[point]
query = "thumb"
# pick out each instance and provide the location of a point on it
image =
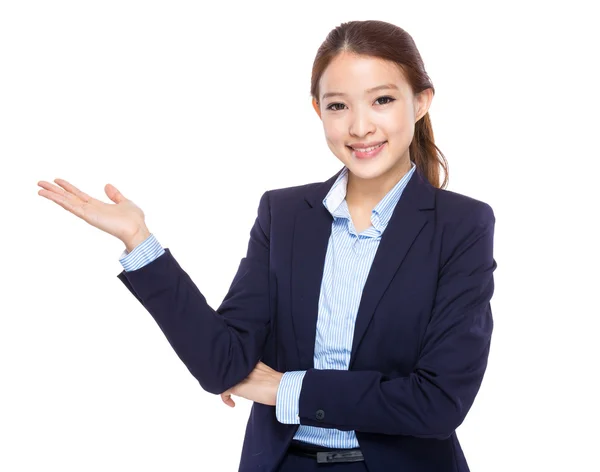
(114, 194)
(227, 399)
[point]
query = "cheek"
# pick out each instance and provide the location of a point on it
(334, 131)
(399, 124)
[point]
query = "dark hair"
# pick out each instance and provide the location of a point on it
(392, 43)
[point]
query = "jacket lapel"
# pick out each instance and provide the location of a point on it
(311, 237)
(407, 221)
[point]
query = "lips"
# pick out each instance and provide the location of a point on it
(368, 152)
(365, 147)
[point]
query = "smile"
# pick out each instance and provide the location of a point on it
(367, 153)
(369, 148)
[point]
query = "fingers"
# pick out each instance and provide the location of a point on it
(74, 190)
(51, 187)
(227, 400)
(65, 199)
(70, 189)
(62, 201)
(68, 192)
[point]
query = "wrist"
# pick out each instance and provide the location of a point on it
(138, 237)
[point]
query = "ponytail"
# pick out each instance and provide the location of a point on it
(426, 155)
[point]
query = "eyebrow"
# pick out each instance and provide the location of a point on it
(379, 87)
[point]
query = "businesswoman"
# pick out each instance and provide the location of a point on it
(359, 321)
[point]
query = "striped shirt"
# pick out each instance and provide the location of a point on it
(347, 263)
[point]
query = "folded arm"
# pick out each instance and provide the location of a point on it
(434, 399)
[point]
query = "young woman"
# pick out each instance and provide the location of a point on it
(359, 322)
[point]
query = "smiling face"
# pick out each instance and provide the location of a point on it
(369, 114)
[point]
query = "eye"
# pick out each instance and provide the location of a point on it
(390, 100)
(333, 106)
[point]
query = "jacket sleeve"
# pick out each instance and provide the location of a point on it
(220, 348)
(433, 400)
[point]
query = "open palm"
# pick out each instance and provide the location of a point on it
(124, 219)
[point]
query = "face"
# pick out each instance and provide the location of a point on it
(369, 114)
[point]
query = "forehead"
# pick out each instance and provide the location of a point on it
(353, 74)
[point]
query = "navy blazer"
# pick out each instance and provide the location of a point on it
(421, 339)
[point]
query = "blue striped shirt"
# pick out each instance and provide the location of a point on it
(347, 263)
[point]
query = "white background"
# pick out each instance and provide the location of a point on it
(193, 111)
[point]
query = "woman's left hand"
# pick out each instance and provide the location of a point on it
(260, 386)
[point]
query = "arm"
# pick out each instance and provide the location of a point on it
(220, 348)
(434, 399)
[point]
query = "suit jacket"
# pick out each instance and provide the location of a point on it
(421, 338)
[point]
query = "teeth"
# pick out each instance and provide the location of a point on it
(367, 149)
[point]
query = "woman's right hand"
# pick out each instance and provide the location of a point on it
(124, 220)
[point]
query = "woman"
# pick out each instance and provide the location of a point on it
(359, 322)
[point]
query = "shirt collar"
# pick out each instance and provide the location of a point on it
(335, 200)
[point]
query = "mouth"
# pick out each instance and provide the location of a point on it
(368, 152)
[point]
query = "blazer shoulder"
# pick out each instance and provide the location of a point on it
(290, 198)
(455, 207)
(296, 191)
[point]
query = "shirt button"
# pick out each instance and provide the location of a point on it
(320, 414)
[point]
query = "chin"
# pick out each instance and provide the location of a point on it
(368, 169)
(372, 172)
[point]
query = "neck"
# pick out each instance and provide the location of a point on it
(370, 192)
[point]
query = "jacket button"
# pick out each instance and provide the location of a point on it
(320, 414)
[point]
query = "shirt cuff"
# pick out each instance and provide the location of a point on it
(143, 254)
(288, 397)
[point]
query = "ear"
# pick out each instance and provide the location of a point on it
(422, 102)
(315, 105)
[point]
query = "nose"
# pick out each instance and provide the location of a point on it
(361, 123)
